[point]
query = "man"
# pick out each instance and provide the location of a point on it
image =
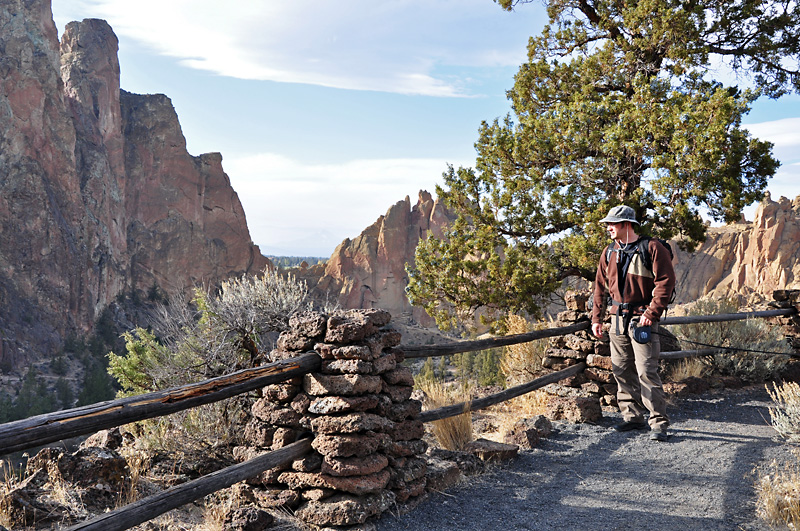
(639, 297)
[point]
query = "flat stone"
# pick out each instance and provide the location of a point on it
(407, 430)
(248, 519)
(383, 363)
(574, 409)
(345, 510)
(488, 450)
(358, 485)
(399, 376)
(442, 474)
(408, 409)
(291, 342)
(328, 405)
(409, 490)
(412, 470)
(354, 466)
(357, 422)
(275, 414)
(317, 494)
(345, 366)
(283, 392)
(284, 437)
(308, 463)
(575, 342)
(348, 328)
(257, 433)
(308, 324)
(341, 384)
(398, 393)
(567, 353)
(276, 497)
(359, 444)
(599, 375)
(602, 348)
(601, 362)
(406, 448)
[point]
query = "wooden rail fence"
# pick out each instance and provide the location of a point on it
(50, 427)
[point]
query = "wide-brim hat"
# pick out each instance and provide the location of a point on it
(620, 213)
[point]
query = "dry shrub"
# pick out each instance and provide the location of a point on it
(455, 432)
(522, 362)
(785, 416)
(686, 368)
(778, 495)
(747, 335)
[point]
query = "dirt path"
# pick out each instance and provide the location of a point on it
(592, 477)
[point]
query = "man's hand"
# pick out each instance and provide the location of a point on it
(645, 321)
(597, 329)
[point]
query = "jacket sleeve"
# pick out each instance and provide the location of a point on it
(663, 278)
(600, 288)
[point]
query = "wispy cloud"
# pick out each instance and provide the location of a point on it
(287, 200)
(400, 46)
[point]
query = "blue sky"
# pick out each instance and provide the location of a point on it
(327, 113)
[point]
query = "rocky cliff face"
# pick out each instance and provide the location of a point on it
(98, 195)
(369, 271)
(745, 260)
(750, 260)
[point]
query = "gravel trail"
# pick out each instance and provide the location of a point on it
(588, 476)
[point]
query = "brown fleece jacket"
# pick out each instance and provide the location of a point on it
(641, 285)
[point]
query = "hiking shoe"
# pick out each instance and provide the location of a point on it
(659, 435)
(629, 425)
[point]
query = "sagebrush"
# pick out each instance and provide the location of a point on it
(215, 333)
(755, 341)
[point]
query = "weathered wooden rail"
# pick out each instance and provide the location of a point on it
(155, 505)
(51, 427)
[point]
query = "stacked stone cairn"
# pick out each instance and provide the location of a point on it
(788, 298)
(367, 439)
(579, 398)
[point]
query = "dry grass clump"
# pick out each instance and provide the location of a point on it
(452, 433)
(522, 362)
(687, 368)
(778, 495)
(526, 406)
(785, 416)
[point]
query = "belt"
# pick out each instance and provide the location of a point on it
(625, 310)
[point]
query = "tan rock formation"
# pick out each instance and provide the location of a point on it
(750, 260)
(98, 194)
(369, 271)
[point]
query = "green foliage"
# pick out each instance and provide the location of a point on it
(482, 367)
(32, 398)
(616, 104)
(148, 365)
(286, 262)
(64, 394)
(426, 374)
(96, 385)
(750, 334)
(214, 334)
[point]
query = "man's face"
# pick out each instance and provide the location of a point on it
(615, 230)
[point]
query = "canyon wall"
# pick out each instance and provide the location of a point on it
(98, 195)
(748, 260)
(369, 271)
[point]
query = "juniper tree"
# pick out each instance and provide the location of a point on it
(616, 104)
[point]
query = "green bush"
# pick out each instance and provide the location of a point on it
(214, 334)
